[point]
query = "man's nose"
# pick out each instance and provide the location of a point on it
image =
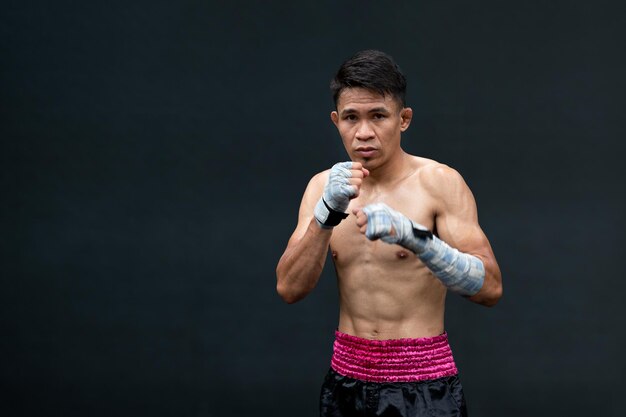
(364, 131)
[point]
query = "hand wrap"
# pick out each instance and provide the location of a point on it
(382, 218)
(330, 209)
(460, 272)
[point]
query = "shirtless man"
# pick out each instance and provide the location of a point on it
(402, 230)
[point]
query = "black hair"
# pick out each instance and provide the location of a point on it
(373, 70)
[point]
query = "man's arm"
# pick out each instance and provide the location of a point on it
(461, 256)
(456, 222)
(322, 208)
(302, 262)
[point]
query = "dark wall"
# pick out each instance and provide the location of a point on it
(153, 158)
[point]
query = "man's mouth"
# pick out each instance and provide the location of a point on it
(366, 151)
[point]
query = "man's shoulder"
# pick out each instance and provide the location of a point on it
(318, 181)
(320, 177)
(436, 176)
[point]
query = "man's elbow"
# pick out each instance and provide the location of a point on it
(286, 291)
(288, 295)
(491, 297)
(291, 286)
(488, 296)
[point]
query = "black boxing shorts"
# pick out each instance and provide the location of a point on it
(399, 377)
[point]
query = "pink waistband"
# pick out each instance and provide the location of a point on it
(393, 360)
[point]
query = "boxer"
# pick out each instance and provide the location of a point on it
(403, 231)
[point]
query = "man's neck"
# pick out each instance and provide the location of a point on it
(391, 172)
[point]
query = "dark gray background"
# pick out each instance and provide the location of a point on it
(154, 155)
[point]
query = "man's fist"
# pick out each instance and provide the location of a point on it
(379, 221)
(460, 272)
(344, 183)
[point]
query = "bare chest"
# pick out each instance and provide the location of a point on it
(349, 246)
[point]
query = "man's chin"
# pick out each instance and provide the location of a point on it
(368, 163)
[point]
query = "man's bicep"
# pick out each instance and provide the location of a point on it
(462, 233)
(457, 225)
(457, 220)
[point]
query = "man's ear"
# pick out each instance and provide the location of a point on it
(334, 117)
(406, 114)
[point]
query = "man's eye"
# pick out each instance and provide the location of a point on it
(379, 116)
(351, 117)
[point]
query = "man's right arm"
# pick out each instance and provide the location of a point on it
(302, 262)
(301, 265)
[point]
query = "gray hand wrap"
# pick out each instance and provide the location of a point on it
(380, 220)
(460, 272)
(330, 209)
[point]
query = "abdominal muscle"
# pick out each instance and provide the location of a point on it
(385, 291)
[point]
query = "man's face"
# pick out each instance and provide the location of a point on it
(370, 125)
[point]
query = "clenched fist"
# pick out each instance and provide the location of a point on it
(344, 183)
(379, 221)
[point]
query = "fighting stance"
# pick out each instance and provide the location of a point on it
(402, 231)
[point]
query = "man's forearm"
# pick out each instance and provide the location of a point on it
(460, 272)
(300, 267)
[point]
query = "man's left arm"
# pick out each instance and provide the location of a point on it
(459, 253)
(456, 223)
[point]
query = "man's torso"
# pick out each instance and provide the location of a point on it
(385, 290)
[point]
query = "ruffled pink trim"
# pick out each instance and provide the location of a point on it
(393, 360)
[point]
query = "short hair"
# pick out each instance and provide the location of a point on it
(373, 70)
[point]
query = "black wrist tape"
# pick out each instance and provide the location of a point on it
(422, 234)
(334, 217)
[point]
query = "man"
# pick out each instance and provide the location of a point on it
(412, 235)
